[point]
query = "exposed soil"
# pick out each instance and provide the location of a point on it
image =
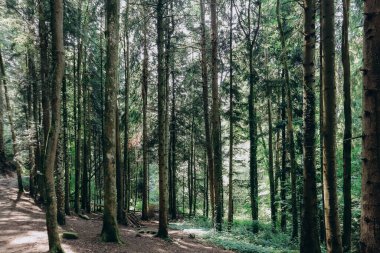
(23, 229)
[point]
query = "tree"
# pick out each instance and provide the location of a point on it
(215, 119)
(110, 230)
(231, 133)
(10, 119)
(347, 142)
(208, 143)
(162, 125)
(289, 125)
(370, 202)
(333, 236)
(309, 224)
(2, 147)
(54, 131)
(250, 34)
(144, 93)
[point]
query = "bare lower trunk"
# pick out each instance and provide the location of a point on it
(309, 223)
(52, 141)
(370, 202)
(333, 236)
(347, 216)
(162, 125)
(110, 230)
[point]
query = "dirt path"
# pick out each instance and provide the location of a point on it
(22, 229)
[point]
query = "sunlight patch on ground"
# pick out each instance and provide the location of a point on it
(196, 231)
(29, 237)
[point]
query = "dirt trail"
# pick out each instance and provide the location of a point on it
(23, 230)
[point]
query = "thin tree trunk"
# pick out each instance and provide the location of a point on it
(144, 91)
(215, 119)
(231, 141)
(289, 126)
(205, 92)
(65, 143)
(347, 216)
(126, 109)
(370, 217)
(309, 222)
(283, 179)
(162, 125)
(333, 236)
(10, 120)
(54, 132)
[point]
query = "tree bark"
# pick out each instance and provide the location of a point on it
(346, 238)
(126, 109)
(110, 230)
(215, 119)
(333, 236)
(13, 133)
(309, 222)
(370, 217)
(289, 125)
(162, 125)
(144, 92)
(231, 130)
(52, 140)
(210, 156)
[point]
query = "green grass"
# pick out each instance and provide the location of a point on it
(240, 238)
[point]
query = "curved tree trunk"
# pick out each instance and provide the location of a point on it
(52, 141)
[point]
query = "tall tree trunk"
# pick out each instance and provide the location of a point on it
(84, 105)
(271, 170)
(59, 179)
(309, 223)
(2, 147)
(215, 119)
(30, 125)
(173, 141)
(322, 230)
(110, 230)
(54, 132)
(78, 130)
(283, 179)
(346, 239)
(289, 126)
(210, 156)
(231, 141)
(162, 125)
(333, 236)
(10, 119)
(65, 143)
(144, 91)
(126, 108)
(119, 173)
(369, 224)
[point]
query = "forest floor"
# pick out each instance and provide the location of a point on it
(23, 229)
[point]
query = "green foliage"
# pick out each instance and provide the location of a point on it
(240, 238)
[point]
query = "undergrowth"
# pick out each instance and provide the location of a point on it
(240, 238)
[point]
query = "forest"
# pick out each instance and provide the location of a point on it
(190, 126)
